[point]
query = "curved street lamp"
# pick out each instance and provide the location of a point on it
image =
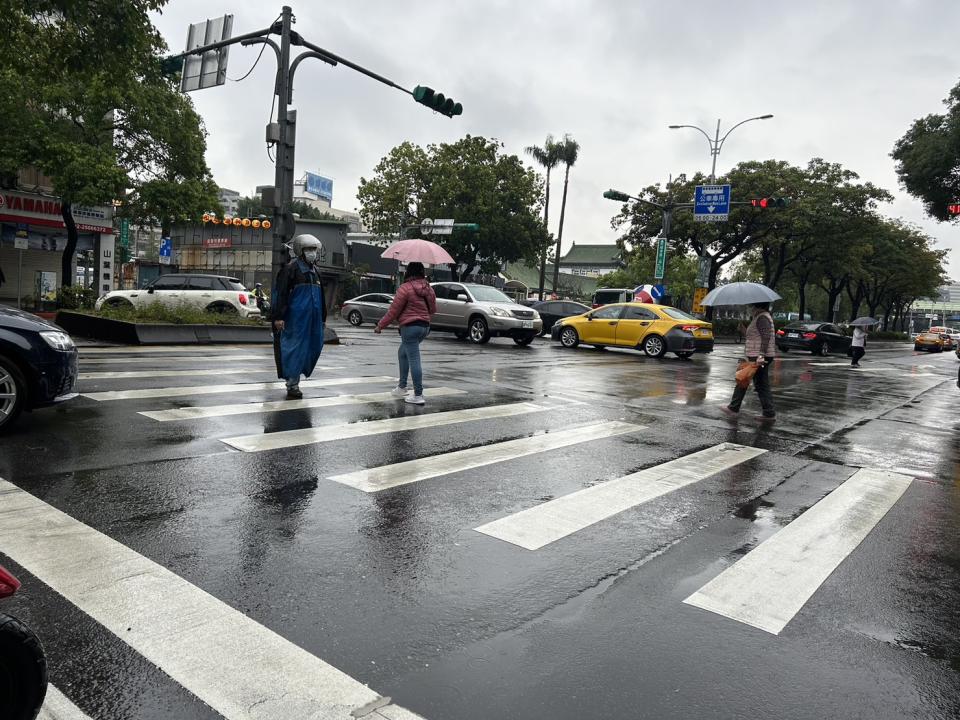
(716, 143)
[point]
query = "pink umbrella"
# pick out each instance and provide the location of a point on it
(418, 250)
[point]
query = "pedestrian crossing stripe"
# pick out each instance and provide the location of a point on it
(344, 431)
(166, 349)
(176, 358)
(187, 390)
(404, 473)
(229, 661)
(56, 706)
(209, 411)
(132, 374)
(772, 583)
(543, 524)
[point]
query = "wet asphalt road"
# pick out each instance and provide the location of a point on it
(397, 589)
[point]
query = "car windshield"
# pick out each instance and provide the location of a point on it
(677, 314)
(485, 293)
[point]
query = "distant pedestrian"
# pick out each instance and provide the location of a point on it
(760, 348)
(413, 306)
(858, 345)
(299, 313)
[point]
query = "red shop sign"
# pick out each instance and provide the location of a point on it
(217, 242)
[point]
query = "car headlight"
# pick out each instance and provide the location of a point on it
(58, 340)
(499, 312)
(536, 315)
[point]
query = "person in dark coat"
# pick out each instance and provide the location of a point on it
(299, 314)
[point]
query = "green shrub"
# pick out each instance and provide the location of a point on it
(173, 315)
(75, 297)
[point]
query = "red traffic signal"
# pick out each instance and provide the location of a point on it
(770, 202)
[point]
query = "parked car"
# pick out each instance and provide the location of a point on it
(552, 311)
(214, 293)
(655, 329)
(820, 338)
(366, 308)
(608, 296)
(480, 312)
(928, 341)
(948, 343)
(38, 364)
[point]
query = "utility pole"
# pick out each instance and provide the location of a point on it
(283, 228)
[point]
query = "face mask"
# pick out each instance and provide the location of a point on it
(310, 255)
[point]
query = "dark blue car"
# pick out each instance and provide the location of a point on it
(38, 364)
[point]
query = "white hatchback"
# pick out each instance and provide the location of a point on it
(213, 293)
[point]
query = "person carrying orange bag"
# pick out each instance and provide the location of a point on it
(760, 349)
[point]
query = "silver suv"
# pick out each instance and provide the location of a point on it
(479, 312)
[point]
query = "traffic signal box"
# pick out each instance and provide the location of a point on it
(770, 202)
(437, 101)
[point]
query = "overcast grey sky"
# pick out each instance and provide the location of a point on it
(843, 78)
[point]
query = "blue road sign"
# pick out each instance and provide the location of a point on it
(659, 291)
(711, 203)
(166, 250)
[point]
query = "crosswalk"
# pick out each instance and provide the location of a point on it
(233, 664)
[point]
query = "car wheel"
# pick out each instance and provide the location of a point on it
(118, 303)
(479, 332)
(460, 335)
(525, 340)
(222, 308)
(23, 669)
(355, 318)
(654, 346)
(569, 337)
(823, 350)
(684, 355)
(13, 393)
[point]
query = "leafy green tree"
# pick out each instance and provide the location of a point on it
(681, 273)
(100, 120)
(470, 180)
(547, 157)
(928, 158)
(568, 151)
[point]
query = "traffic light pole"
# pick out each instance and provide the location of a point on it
(285, 131)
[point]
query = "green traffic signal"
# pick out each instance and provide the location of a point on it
(616, 195)
(437, 101)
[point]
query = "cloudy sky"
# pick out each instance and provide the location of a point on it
(843, 78)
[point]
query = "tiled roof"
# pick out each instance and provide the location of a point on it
(591, 255)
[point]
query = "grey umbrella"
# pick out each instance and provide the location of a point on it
(865, 322)
(740, 293)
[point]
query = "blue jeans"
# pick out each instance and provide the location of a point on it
(409, 355)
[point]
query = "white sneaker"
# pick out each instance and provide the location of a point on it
(399, 392)
(415, 400)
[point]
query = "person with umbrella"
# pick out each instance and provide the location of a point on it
(760, 347)
(299, 313)
(859, 342)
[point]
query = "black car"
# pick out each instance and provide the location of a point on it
(820, 338)
(38, 364)
(553, 310)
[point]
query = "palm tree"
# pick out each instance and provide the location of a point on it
(547, 157)
(569, 151)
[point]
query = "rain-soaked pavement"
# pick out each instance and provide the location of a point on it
(817, 579)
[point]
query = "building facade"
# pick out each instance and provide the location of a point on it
(229, 201)
(590, 260)
(33, 236)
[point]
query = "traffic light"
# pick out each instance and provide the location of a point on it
(771, 202)
(437, 101)
(171, 66)
(616, 195)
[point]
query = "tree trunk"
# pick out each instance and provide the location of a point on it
(563, 210)
(802, 295)
(546, 223)
(886, 317)
(856, 299)
(66, 260)
(711, 284)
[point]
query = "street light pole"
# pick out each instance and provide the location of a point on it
(716, 142)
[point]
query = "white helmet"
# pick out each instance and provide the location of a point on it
(303, 242)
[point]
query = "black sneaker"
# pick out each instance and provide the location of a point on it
(294, 393)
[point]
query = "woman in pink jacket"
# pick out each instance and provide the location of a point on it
(413, 306)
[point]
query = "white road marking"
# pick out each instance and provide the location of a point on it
(543, 524)
(121, 374)
(238, 667)
(194, 413)
(235, 387)
(161, 349)
(770, 585)
(388, 476)
(57, 706)
(175, 358)
(343, 431)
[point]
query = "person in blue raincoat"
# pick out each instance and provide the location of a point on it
(298, 315)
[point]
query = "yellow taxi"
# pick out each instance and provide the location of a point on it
(655, 329)
(929, 341)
